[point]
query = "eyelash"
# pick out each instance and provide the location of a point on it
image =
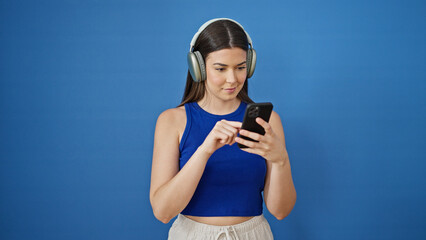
(222, 69)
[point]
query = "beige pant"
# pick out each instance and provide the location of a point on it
(186, 229)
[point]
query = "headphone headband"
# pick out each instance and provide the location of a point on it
(194, 39)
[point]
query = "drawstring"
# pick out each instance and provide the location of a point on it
(227, 233)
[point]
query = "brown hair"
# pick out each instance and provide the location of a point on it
(217, 36)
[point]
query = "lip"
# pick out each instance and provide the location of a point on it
(230, 90)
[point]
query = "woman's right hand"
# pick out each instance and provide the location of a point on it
(224, 132)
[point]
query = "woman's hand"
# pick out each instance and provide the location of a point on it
(269, 146)
(224, 132)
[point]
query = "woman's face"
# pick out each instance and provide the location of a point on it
(226, 73)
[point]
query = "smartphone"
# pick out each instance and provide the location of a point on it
(254, 110)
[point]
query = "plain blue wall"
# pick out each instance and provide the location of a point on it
(82, 83)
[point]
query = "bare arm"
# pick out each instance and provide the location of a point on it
(279, 191)
(171, 189)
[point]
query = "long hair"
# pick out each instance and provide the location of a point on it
(217, 36)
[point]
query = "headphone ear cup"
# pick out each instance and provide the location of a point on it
(251, 62)
(202, 65)
(196, 66)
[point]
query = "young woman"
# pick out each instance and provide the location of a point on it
(198, 172)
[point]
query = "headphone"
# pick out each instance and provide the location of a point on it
(196, 64)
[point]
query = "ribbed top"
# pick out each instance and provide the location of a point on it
(233, 180)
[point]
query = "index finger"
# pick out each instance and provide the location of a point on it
(264, 124)
(234, 124)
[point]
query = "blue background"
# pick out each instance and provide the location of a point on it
(82, 83)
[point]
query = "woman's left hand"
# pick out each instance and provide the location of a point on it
(269, 146)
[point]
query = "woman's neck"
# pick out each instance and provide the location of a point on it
(219, 107)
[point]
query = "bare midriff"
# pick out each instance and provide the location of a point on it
(219, 221)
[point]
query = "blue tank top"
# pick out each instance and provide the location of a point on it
(233, 180)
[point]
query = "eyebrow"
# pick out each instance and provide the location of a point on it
(224, 65)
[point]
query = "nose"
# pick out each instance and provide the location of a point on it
(232, 76)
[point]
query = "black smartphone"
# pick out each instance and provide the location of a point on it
(254, 110)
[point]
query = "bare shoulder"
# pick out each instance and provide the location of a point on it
(172, 120)
(171, 115)
(276, 124)
(275, 120)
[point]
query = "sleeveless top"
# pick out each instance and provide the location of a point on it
(233, 180)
